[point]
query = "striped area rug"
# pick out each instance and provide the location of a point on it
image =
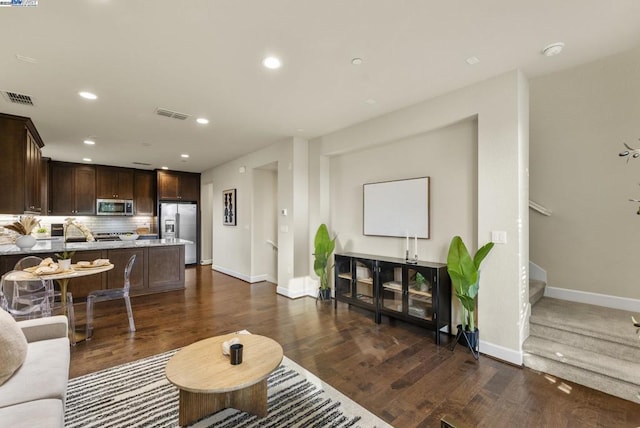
(137, 394)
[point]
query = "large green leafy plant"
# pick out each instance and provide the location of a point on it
(465, 276)
(324, 246)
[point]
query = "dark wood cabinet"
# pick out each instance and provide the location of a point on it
(20, 165)
(416, 293)
(73, 189)
(32, 194)
(166, 267)
(355, 281)
(120, 257)
(144, 192)
(114, 182)
(156, 269)
(81, 286)
(178, 186)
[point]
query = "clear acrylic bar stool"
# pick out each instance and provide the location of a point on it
(112, 294)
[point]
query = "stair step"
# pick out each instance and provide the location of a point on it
(606, 374)
(581, 341)
(627, 371)
(536, 290)
(591, 345)
(598, 322)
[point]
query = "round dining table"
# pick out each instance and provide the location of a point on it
(63, 278)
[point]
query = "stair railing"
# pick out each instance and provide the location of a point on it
(539, 208)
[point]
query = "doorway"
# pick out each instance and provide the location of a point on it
(264, 254)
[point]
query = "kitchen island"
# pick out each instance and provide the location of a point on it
(159, 263)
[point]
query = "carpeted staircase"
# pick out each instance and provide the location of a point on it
(591, 345)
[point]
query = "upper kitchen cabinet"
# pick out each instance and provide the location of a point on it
(144, 192)
(114, 183)
(20, 166)
(178, 186)
(73, 189)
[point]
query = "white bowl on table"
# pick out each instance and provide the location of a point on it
(128, 237)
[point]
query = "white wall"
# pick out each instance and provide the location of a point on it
(206, 230)
(233, 245)
(501, 106)
(580, 119)
(447, 155)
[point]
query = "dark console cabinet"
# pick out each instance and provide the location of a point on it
(416, 293)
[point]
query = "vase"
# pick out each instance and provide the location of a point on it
(65, 264)
(325, 294)
(25, 241)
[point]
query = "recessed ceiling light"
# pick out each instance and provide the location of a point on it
(202, 120)
(370, 101)
(164, 167)
(553, 49)
(472, 60)
(184, 155)
(86, 159)
(356, 61)
(89, 142)
(272, 62)
(88, 95)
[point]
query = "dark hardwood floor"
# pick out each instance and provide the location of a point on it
(395, 370)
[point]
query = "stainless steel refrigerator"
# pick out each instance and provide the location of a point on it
(180, 220)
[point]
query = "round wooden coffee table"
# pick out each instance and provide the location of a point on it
(208, 382)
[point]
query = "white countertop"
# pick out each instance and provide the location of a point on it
(56, 245)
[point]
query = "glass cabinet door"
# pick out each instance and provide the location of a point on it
(420, 289)
(364, 270)
(390, 276)
(343, 278)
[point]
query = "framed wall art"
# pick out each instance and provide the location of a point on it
(229, 205)
(397, 208)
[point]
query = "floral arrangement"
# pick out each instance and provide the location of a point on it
(24, 225)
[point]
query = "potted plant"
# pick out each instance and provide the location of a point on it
(465, 276)
(324, 246)
(64, 259)
(421, 282)
(23, 227)
(41, 232)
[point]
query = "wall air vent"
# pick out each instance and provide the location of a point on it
(16, 98)
(172, 114)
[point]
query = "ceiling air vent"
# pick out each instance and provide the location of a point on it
(16, 98)
(172, 114)
(141, 163)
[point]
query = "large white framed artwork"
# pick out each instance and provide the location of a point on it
(397, 208)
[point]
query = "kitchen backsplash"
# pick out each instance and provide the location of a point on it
(104, 224)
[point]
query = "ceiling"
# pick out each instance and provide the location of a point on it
(203, 58)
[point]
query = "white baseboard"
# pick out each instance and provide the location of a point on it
(258, 278)
(623, 303)
(206, 262)
(292, 294)
(252, 279)
(299, 287)
(501, 353)
(271, 279)
(229, 272)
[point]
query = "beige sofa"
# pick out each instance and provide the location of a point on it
(34, 396)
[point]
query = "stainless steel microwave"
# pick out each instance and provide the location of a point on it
(114, 207)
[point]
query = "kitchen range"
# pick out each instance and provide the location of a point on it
(115, 236)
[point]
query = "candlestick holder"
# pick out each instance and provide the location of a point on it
(413, 261)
